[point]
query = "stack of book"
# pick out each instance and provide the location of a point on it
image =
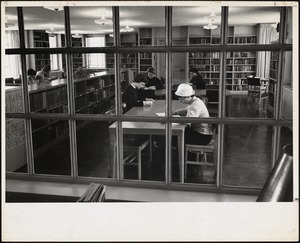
(94, 193)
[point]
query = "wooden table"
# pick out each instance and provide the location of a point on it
(152, 128)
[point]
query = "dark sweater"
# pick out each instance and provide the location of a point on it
(198, 82)
(154, 82)
(131, 98)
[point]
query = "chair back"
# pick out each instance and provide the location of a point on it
(212, 95)
(252, 81)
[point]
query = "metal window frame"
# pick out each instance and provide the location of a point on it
(168, 49)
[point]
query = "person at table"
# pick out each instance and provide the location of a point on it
(41, 75)
(152, 81)
(131, 96)
(195, 133)
(196, 79)
(31, 76)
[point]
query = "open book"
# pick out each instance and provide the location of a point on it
(163, 114)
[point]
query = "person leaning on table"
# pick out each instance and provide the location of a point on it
(196, 133)
(130, 95)
(152, 81)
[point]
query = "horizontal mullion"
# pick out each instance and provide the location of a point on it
(112, 49)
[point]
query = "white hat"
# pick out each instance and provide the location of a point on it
(185, 90)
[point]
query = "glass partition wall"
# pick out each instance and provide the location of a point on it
(76, 121)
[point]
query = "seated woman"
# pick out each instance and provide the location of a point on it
(196, 133)
(131, 95)
(31, 77)
(197, 80)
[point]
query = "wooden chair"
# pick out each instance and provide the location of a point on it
(257, 89)
(205, 154)
(212, 95)
(132, 149)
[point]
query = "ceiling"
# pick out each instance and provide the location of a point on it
(83, 17)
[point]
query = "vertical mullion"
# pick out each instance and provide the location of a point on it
(168, 21)
(222, 96)
(28, 130)
(71, 96)
(279, 86)
(119, 138)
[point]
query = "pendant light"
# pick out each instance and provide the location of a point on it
(76, 35)
(210, 26)
(127, 29)
(56, 9)
(103, 21)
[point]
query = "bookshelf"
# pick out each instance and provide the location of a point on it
(273, 77)
(145, 39)
(41, 39)
(239, 66)
(208, 64)
(77, 57)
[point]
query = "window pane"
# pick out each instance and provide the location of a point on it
(15, 146)
(93, 149)
(287, 95)
(198, 25)
(286, 137)
(198, 154)
(260, 26)
(144, 150)
(247, 155)
(12, 39)
(94, 91)
(89, 23)
(144, 94)
(51, 146)
(250, 81)
(149, 27)
(44, 27)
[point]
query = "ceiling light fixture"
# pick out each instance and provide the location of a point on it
(127, 29)
(210, 26)
(8, 23)
(103, 21)
(76, 36)
(56, 9)
(50, 32)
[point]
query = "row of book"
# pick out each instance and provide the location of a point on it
(94, 193)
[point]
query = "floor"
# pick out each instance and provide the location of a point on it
(246, 153)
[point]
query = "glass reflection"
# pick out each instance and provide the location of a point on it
(93, 149)
(15, 146)
(260, 26)
(247, 155)
(51, 146)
